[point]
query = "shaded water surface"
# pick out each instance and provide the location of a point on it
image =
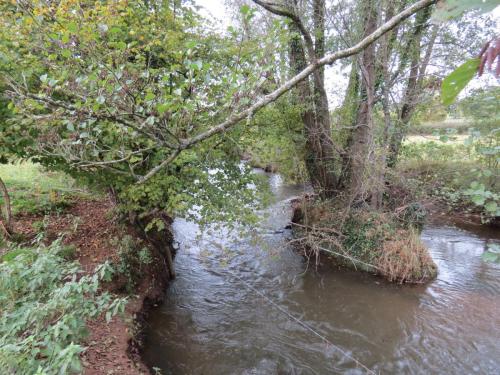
(229, 310)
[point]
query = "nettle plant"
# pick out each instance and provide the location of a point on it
(122, 93)
(46, 301)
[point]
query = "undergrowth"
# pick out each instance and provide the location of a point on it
(45, 302)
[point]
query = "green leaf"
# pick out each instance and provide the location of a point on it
(162, 108)
(149, 96)
(245, 9)
(455, 82)
(66, 53)
(121, 45)
(72, 26)
(449, 9)
(491, 206)
(478, 200)
(191, 44)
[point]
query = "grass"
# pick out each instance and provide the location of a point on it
(405, 258)
(428, 128)
(36, 191)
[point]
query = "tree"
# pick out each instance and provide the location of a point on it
(105, 92)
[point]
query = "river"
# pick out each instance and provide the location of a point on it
(254, 306)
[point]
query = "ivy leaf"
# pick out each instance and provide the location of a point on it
(72, 27)
(121, 45)
(457, 80)
(162, 108)
(478, 200)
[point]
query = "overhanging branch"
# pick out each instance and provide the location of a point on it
(287, 86)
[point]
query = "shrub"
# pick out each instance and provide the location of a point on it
(45, 302)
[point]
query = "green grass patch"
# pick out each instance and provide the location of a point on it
(428, 128)
(34, 190)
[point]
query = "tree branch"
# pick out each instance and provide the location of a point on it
(287, 86)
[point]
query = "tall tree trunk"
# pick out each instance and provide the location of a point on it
(361, 143)
(305, 100)
(320, 152)
(383, 58)
(326, 157)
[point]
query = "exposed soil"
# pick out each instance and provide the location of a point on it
(89, 225)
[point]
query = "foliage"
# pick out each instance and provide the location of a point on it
(481, 104)
(380, 242)
(276, 139)
(450, 9)
(46, 301)
(131, 260)
(460, 171)
(107, 92)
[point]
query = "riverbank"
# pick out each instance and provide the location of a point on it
(94, 233)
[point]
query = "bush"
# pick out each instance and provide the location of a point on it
(46, 301)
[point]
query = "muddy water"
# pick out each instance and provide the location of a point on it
(236, 305)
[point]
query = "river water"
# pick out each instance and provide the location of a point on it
(252, 305)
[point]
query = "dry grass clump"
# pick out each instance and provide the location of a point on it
(386, 243)
(406, 259)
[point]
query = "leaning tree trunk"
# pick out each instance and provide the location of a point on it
(325, 162)
(6, 223)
